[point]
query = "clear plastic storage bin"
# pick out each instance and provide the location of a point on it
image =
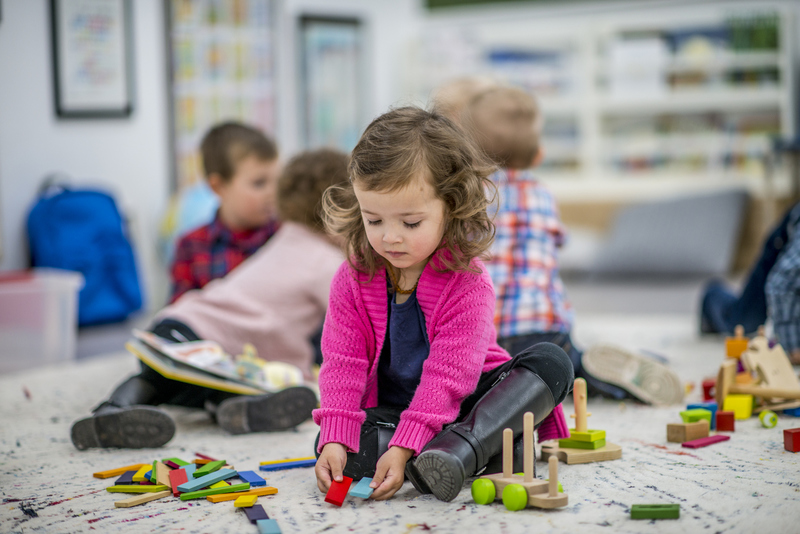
(38, 317)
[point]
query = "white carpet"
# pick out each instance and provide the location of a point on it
(747, 484)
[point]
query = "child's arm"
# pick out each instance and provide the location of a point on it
(390, 472)
(330, 465)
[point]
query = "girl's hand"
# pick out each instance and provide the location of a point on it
(389, 473)
(330, 465)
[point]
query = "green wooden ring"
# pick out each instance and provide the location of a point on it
(483, 491)
(768, 418)
(515, 497)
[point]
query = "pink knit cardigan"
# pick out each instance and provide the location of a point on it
(458, 307)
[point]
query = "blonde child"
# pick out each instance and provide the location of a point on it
(408, 345)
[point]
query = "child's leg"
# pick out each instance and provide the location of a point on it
(376, 432)
(534, 381)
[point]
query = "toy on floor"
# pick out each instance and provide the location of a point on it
(292, 463)
(338, 491)
(655, 511)
(791, 439)
(362, 489)
(705, 442)
(768, 418)
(683, 432)
(725, 421)
(583, 445)
(518, 492)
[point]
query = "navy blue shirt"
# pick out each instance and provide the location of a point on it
(405, 349)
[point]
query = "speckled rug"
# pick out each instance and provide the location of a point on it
(747, 484)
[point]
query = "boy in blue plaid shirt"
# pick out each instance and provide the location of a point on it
(532, 306)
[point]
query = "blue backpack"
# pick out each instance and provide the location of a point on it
(82, 230)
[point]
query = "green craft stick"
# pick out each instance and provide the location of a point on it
(153, 473)
(205, 493)
(176, 460)
(589, 435)
(655, 511)
(137, 489)
(588, 445)
(210, 467)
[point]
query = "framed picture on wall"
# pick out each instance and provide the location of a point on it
(332, 81)
(92, 61)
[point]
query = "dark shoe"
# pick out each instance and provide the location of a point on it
(134, 427)
(413, 475)
(495, 464)
(266, 413)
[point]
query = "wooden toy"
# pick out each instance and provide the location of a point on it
(655, 511)
(174, 463)
(176, 478)
(736, 345)
(140, 474)
(682, 432)
(725, 422)
(252, 478)
(191, 468)
(146, 481)
(573, 455)
(141, 499)
(268, 526)
(710, 406)
(271, 462)
(126, 479)
(338, 491)
(362, 489)
(288, 465)
(692, 416)
(202, 482)
(269, 490)
(740, 405)
(204, 456)
(210, 467)
(245, 501)
(768, 418)
(162, 473)
(118, 471)
(705, 442)
(708, 388)
(256, 513)
(794, 412)
(205, 493)
(791, 439)
(202, 461)
(152, 474)
(770, 364)
(137, 489)
(220, 484)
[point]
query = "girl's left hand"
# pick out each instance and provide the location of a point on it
(389, 473)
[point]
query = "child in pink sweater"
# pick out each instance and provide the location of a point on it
(411, 365)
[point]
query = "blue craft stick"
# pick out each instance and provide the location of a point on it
(190, 469)
(148, 475)
(268, 526)
(288, 465)
(362, 489)
(202, 482)
(252, 478)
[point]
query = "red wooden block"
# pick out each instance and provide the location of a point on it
(726, 421)
(338, 491)
(791, 439)
(708, 388)
(705, 442)
(176, 478)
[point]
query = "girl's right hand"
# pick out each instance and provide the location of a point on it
(330, 465)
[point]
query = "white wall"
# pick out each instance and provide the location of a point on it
(130, 156)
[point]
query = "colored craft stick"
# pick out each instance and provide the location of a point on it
(146, 482)
(141, 499)
(137, 489)
(270, 462)
(140, 474)
(149, 474)
(205, 493)
(126, 479)
(205, 457)
(245, 501)
(210, 467)
(162, 473)
(176, 478)
(256, 513)
(252, 478)
(338, 491)
(362, 489)
(705, 442)
(154, 473)
(202, 482)
(655, 511)
(171, 464)
(118, 471)
(269, 490)
(191, 468)
(288, 465)
(202, 461)
(220, 484)
(268, 526)
(178, 461)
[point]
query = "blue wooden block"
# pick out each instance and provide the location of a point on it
(126, 479)
(252, 478)
(268, 526)
(793, 411)
(288, 465)
(211, 478)
(362, 489)
(148, 475)
(255, 513)
(711, 407)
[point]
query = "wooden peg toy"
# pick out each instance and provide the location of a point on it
(736, 345)
(338, 491)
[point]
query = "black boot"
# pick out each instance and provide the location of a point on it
(464, 448)
(266, 413)
(125, 421)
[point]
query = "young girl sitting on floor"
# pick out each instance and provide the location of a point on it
(408, 343)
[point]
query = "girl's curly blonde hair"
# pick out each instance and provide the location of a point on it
(397, 147)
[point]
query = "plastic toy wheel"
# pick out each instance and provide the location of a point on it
(768, 419)
(483, 491)
(515, 497)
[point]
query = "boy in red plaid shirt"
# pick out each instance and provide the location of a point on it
(241, 166)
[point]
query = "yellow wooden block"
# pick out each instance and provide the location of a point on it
(267, 490)
(220, 484)
(741, 405)
(118, 471)
(245, 501)
(139, 476)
